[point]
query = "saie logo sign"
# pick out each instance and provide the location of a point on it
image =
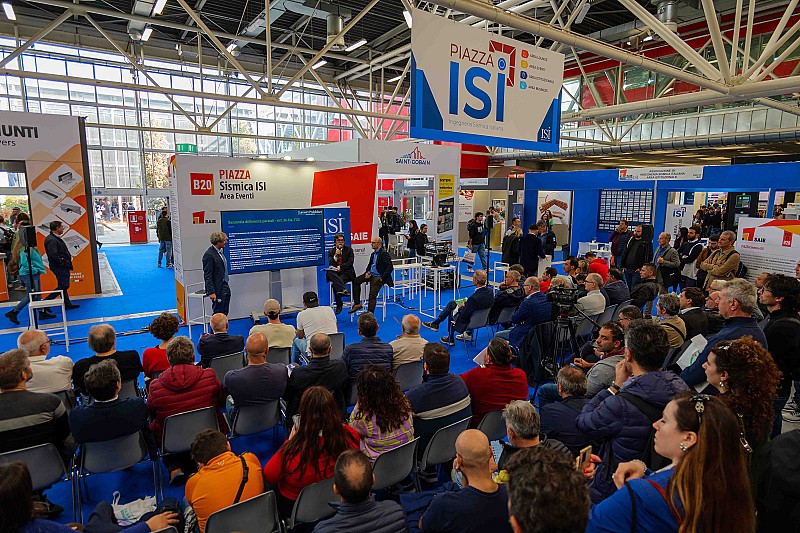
(493, 70)
(413, 158)
(202, 183)
(199, 217)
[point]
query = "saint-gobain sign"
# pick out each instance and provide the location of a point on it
(472, 86)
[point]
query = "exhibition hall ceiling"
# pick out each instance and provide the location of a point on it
(667, 50)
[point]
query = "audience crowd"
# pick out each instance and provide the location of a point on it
(667, 416)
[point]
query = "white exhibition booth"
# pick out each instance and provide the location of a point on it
(400, 160)
(204, 191)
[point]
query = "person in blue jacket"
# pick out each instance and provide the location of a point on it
(28, 270)
(736, 303)
(705, 488)
(612, 416)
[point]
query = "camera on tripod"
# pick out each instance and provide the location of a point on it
(563, 298)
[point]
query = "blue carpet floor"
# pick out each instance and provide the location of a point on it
(148, 289)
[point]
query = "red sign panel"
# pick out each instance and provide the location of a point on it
(202, 183)
(137, 227)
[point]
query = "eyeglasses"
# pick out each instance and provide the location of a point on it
(48, 341)
(699, 405)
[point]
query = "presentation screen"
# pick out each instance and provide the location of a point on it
(274, 239)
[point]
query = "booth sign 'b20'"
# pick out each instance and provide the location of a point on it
(202, 183)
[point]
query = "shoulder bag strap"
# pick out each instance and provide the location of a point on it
(245, 473)
(678, 518)
(673, 326)
(649, 410)
(633, 506)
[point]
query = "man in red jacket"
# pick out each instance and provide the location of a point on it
(182, 387)
(598, 265)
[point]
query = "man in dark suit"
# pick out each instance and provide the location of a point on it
(60, 261)
(341, 258)
(379, 271)
(530, 251)
(694, 318)
(215, 274)
(109, 416)
(219, 343)
(482, 298)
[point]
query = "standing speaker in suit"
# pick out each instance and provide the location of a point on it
(215, 274)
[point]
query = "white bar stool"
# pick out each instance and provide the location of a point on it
(195, 295)
(56, 328)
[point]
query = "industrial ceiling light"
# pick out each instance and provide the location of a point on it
(9, 9)
(159, 7)
(310, 159)
(357, 44)
(407, 16)
(148, 31)
(396, 78)
(231, 47)
(287, 158)
(583, 12)
(319, 64)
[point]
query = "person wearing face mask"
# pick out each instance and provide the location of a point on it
(699, 435)
(341, 271)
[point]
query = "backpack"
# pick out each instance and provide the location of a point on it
(653, 460)
(741, 270)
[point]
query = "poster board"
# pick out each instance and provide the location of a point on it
(768, 245)
(635, 206)
(53, 148)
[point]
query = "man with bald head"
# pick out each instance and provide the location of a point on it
(481, 504)
(49, 375)
(218, 343)
(407, 348)
(259, 382)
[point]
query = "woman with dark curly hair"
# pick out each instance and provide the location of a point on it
(163, 328)
(382, 415)
(705, 488)
(747, 378)
(309, 455)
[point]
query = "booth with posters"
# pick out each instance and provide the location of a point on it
(49, 153)
(665, 197)
(431, 167)
(278, 216)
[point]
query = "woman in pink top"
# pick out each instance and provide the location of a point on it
(163, 328)
(382, 415)
(496, 383)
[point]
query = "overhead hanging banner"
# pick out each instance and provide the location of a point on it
(661, 173)
(472, 86)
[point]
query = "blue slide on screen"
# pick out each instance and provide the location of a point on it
(273, 240)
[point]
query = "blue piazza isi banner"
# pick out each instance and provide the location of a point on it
(472, 86)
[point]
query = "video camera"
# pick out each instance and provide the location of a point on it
(564, 298)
